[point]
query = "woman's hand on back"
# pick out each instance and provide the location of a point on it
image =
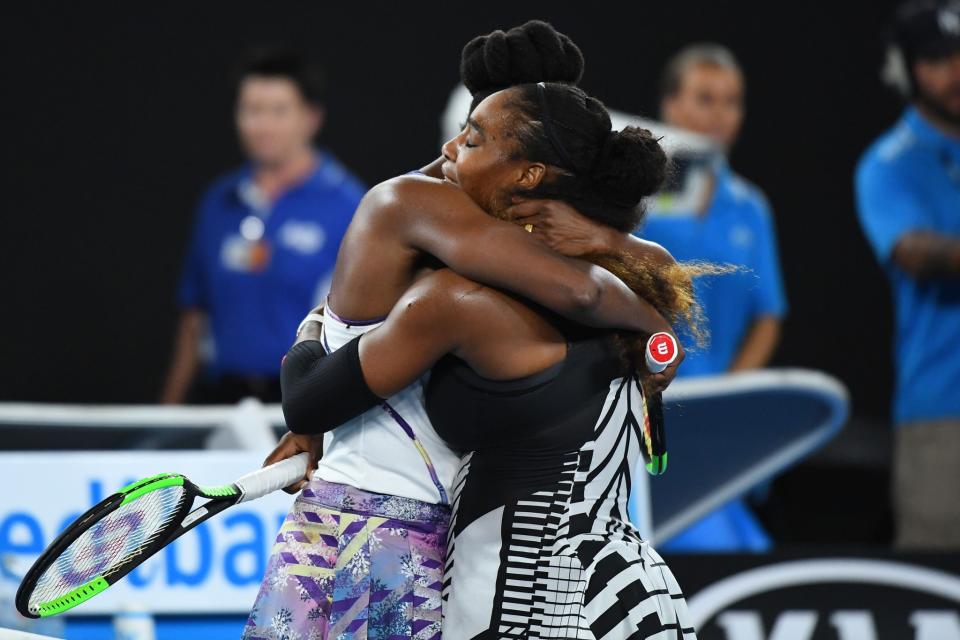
(560, 226)
(567, 231)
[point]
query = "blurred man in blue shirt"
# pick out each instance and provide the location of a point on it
(908, 196)
(265, 239)
(703, 92)
(731, 222)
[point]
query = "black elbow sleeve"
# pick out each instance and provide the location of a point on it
(322, 391)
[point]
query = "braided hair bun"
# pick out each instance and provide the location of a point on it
(605, 174)
(631, 165)
(532, 52)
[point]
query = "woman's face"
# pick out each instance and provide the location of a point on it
(480, 160)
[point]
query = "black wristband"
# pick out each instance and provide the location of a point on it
(321, 391)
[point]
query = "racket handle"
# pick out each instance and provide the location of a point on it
(661, 351)
(658, 436)
(277, 476)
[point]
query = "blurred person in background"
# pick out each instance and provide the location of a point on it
(908, 197)
(703, 92)
(265, 239)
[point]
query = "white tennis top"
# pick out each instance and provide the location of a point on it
(392, 448)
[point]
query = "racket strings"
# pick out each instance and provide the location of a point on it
(110, 543)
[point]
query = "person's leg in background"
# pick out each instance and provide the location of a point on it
(926, 485)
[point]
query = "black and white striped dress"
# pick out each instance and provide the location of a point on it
(540, 542)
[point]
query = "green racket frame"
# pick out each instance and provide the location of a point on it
(219, 499)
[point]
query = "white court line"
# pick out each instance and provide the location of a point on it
(11, 634)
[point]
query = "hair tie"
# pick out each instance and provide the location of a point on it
(551, 135)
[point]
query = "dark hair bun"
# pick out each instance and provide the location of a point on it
(631, 165)
(532, 52)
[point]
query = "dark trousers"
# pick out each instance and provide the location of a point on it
(231, 388)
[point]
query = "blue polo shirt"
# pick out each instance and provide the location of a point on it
(256, 268)
(736, 228)
(909, 180)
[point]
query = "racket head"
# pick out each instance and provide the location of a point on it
(104, 544)
(124, 530)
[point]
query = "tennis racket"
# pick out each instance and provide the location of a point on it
(661, 351)
(113, 537)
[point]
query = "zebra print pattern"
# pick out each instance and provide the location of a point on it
(568, 564)
(458, 483)
(539, 587)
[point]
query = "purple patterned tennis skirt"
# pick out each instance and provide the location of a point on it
(351, 564)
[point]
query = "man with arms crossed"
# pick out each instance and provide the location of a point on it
(908, 197)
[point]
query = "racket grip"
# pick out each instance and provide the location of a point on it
(661, 351)
(277, 476)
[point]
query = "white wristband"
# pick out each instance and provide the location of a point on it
(313, 317)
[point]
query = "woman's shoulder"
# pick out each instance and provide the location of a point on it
(409, 194)
(410, 184)
(651, 251)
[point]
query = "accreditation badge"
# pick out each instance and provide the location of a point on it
(247, 250)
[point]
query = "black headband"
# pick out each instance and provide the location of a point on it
(555, 141)
(551, 135)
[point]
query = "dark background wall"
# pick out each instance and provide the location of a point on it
(115, 118)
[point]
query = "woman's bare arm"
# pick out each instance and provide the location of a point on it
(322, 391)
(441, 220)
(427, 323)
